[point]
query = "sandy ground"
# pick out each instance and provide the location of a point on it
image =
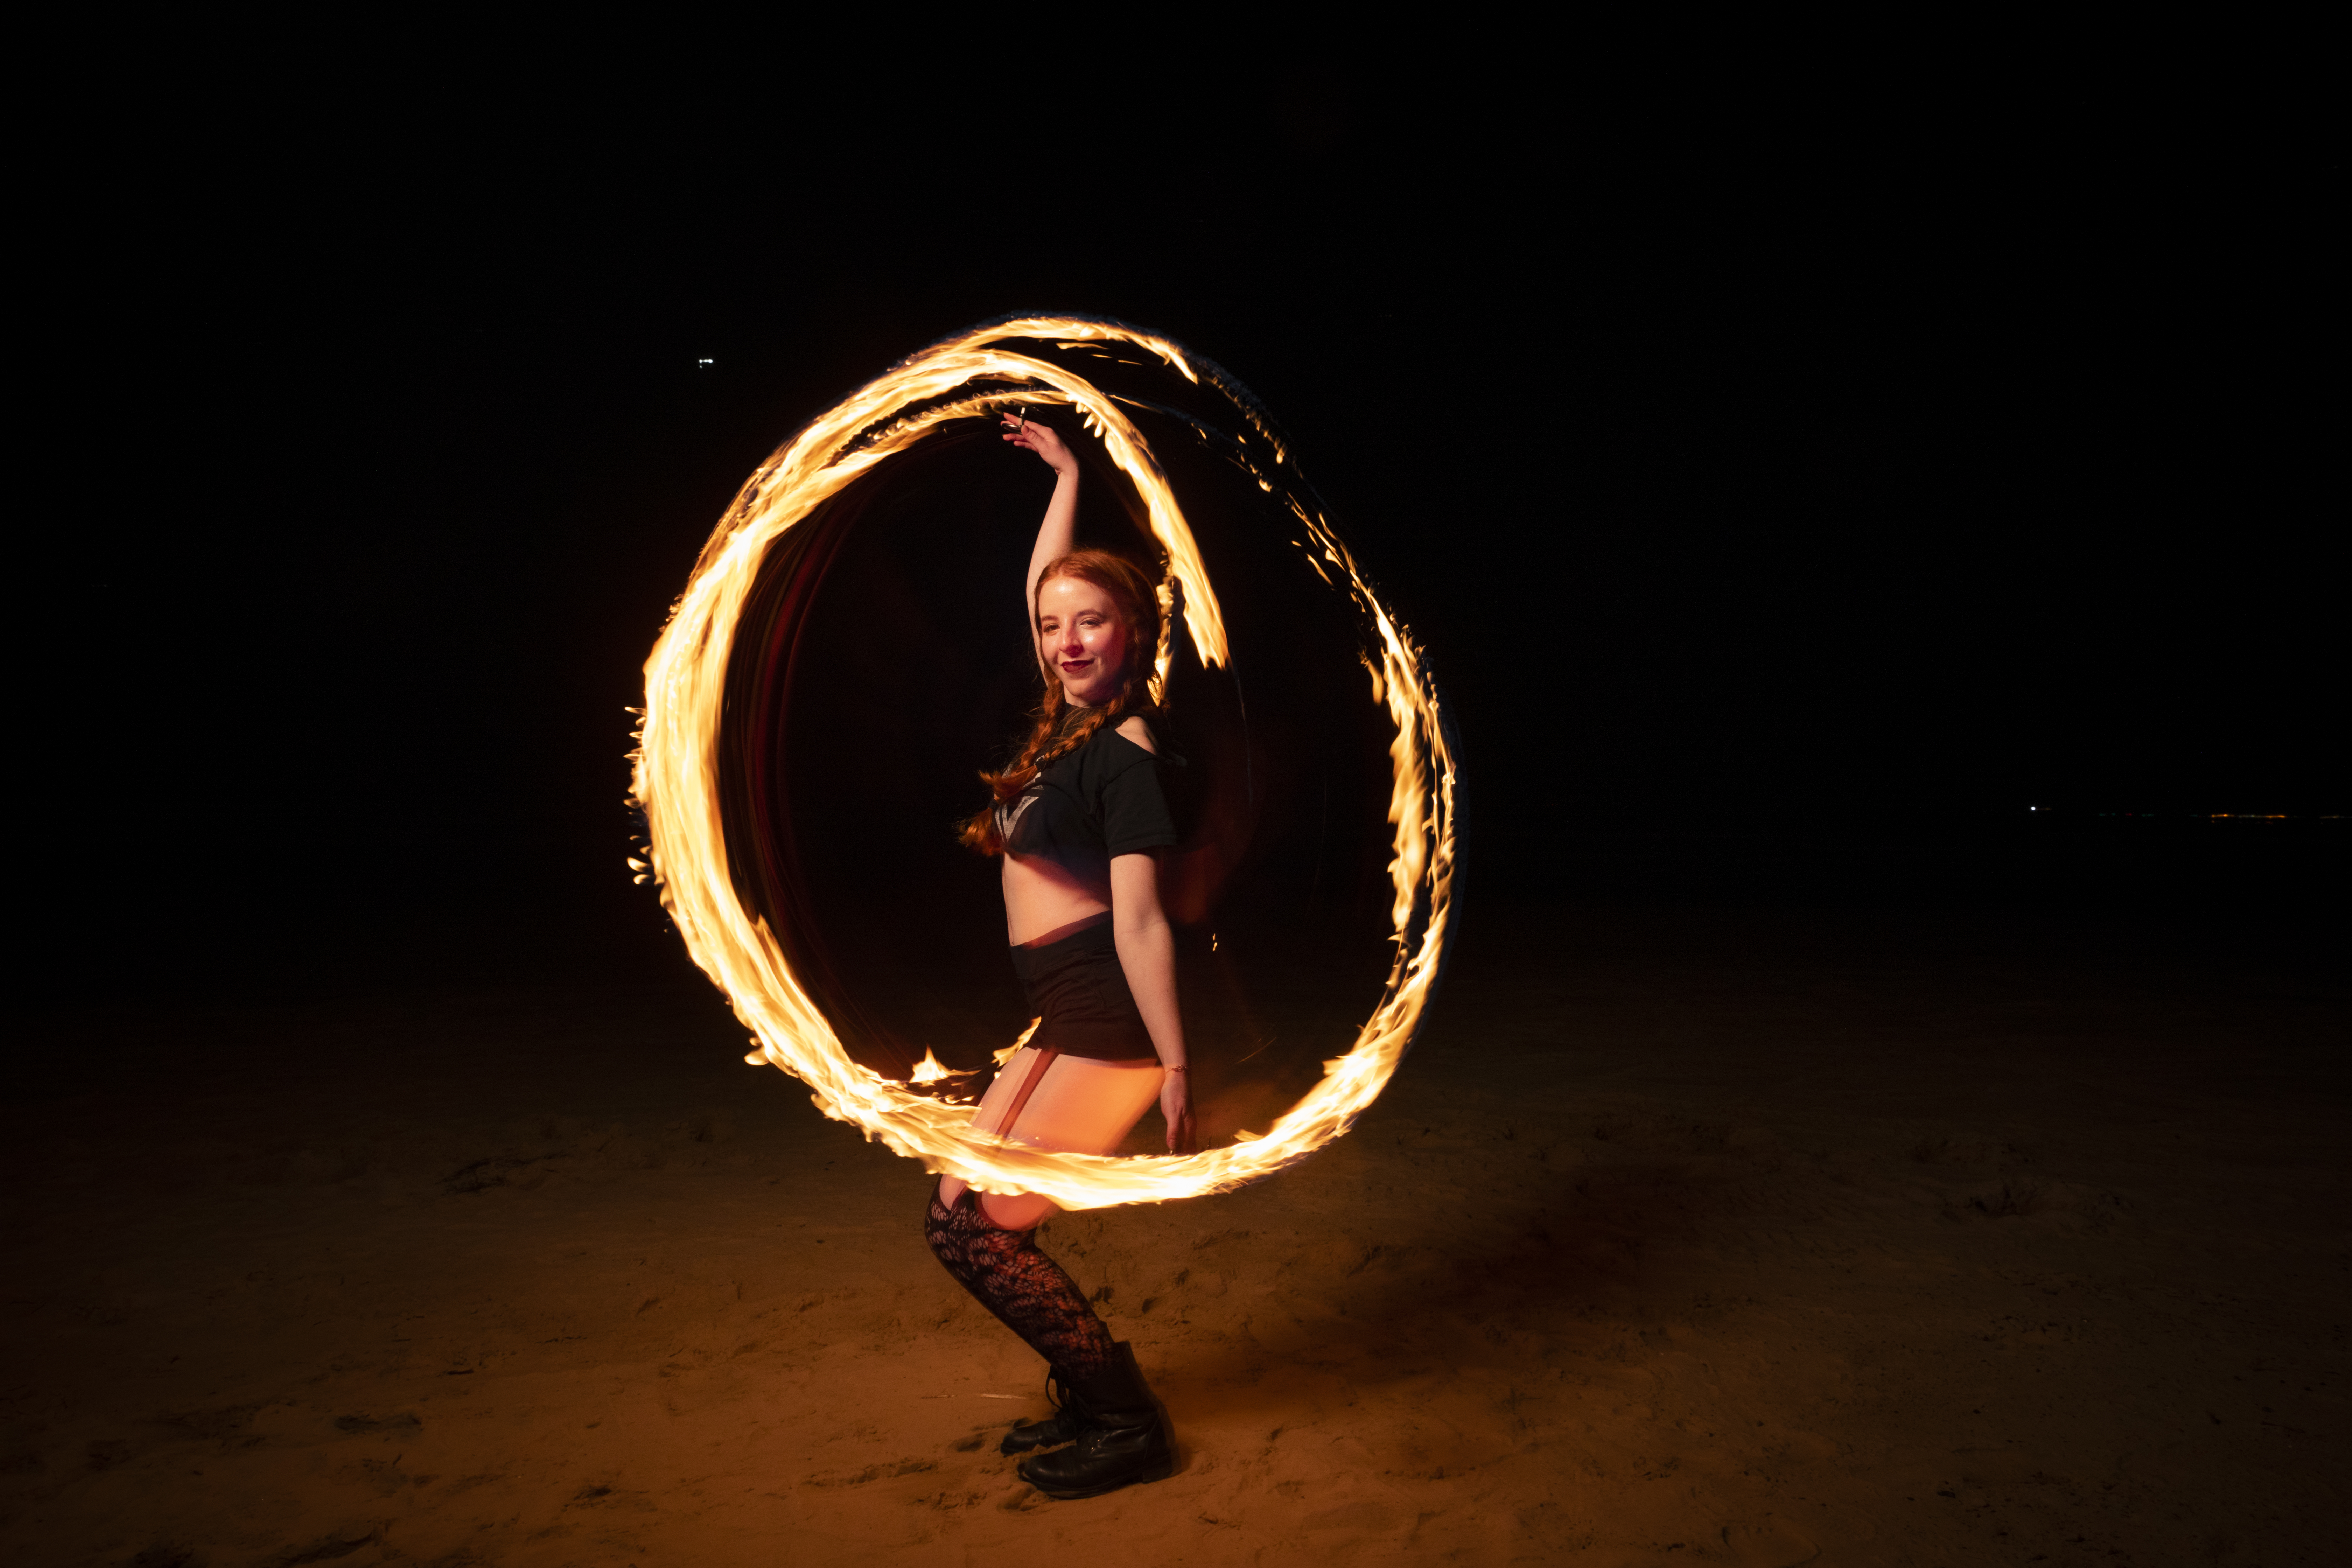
(1740, 1239)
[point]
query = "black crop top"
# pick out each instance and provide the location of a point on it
(1102, 800)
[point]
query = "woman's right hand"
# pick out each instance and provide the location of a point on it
(1040, 438)
(1176, 1109)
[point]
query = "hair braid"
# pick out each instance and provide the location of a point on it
(1055, 735)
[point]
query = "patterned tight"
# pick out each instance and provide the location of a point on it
(1027, 1290)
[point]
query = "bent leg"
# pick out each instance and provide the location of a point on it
(1028, 1291)
(1065, 1103)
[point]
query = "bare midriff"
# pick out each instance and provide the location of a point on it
(1040, 897)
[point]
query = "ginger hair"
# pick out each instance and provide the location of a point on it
(1136, 603)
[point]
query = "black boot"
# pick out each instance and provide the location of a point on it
(1122, 1437)
(1069, 1419)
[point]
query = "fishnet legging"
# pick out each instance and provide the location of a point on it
(1026, 1289)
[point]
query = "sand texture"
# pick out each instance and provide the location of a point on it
(1677, 1241)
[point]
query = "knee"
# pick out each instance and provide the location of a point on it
(1015, 1211)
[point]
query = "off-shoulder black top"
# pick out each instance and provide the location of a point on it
(1101, 801)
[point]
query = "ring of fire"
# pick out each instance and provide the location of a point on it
(676, 781)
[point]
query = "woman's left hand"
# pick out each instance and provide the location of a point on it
(1176, 1109)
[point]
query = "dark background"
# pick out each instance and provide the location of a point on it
(1791, 493)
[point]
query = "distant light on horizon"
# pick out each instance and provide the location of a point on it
(2212, 815)
(706, 363)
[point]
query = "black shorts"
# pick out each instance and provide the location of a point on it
(1076, 986)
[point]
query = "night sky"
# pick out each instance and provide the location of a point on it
(1788, 497)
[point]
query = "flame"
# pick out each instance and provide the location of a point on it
(930, 1069)
(1006, 1054)
(675, 776)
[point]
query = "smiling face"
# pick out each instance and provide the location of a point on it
(1081, 640)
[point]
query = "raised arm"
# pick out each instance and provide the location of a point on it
(1058, 534)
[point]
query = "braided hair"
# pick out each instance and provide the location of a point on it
(1060, 727)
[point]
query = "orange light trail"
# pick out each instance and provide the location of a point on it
(676, 779)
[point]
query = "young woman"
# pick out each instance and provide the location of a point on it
(1079, 819)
